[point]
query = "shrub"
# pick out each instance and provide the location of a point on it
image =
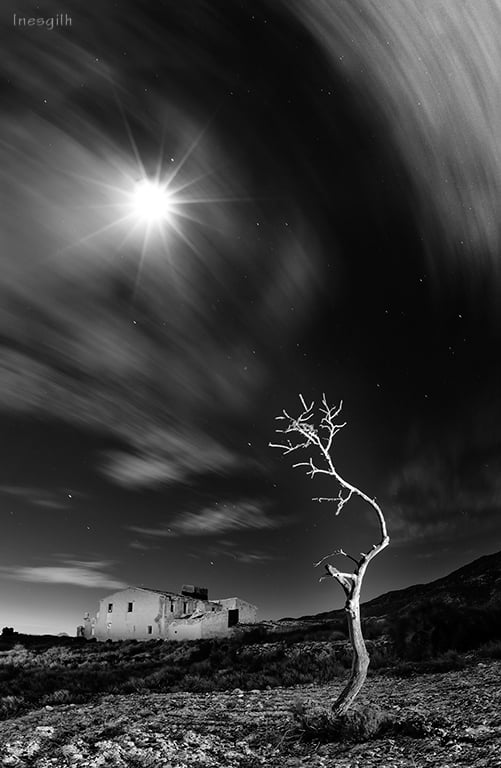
(358, 724)
(433, 627)
(10, 705)
(58, 675)
(198, 684)
(374, 628)
(446, 662)
(491, 650)
(418, 724)
(257, 634)
(61, 696)
(314, 632)
(361, 724)
(380, 658)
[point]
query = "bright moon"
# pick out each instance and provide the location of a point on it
(151, 202)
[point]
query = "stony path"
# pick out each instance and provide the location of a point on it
(248, 729)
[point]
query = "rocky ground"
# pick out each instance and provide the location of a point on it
(252, 728)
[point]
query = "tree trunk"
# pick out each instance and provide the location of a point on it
(312, 436)
(360, 661)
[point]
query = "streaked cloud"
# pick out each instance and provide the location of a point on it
(441, 494)
(252, 557)
(88, 575)
(128, 343)
(433, 78)
(142, 546)
(169, 457)
(243, 556)
(38, 497)
(244, 515)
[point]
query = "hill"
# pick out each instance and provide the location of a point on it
(475, 585)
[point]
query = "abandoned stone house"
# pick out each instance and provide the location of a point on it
(147, 614)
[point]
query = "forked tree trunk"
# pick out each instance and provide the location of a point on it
(312, 436)
(360, 659)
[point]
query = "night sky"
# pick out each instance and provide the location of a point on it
(334, 175)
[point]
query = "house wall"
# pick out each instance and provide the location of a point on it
(216, 625)
(120, 624)
(167, 615)
(181, 606)
(208, 625)
(184, 629)
(149, 609)
(247, 613)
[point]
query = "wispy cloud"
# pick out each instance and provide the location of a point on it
(180, 358)
(245, 557)
(40, 497)
(169, 456)
(142, 546)
(440, 494)
(49, 504)
(442, 115)
(77, 573)
(417, 525)
(244, 515)
(250, 557)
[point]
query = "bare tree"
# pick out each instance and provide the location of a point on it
(309, 436)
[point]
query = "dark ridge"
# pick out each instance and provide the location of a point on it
(476, 584)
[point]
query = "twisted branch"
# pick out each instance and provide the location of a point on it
(307, 435)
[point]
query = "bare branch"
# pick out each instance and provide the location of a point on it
(303, 403)
(278, 445)
(333, 554)
(324, 424)
(289, 447)
(341, 500)
(302, 425)
(335, 411)
(313, 469)
(319, 435)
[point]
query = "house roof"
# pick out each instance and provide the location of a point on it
(165, 592)
(170, 594)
